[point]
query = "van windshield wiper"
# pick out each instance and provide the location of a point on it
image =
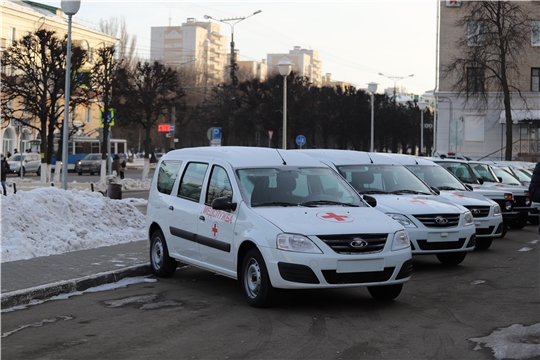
(408, 192)
(448, 188)
(276, 203)
(327, 202)
(372, 192)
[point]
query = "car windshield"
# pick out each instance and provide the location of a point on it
(92, 157)
(437, 176)
(383, 179)
(505, 177)
(289, 186)
(484, 172)
(16, 157)
(460, 170)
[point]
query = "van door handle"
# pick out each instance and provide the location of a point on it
(201, 218)
(171, 207)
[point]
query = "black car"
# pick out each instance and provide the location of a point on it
(91, 163)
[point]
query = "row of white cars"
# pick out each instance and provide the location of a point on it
(304, 219)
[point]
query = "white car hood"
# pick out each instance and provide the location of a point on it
(516, 190)
(328, 220)
(415, 204)
(466, 198)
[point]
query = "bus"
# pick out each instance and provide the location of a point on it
(80, 146)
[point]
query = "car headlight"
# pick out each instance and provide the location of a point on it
(468, 218)
(496, 209)
(298, 243)
(401, 240)
(403, 220)
(508, 206)
(528, 201)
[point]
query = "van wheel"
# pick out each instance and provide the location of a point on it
(255, 281)
(161, 263)
(483, 243)
(520, 222)
(38, 172)
(533, 220)
(452, 258)
(80, 173)
(386, 292)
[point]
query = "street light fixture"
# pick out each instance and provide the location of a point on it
(70, 8)
(285, 66)
(372, 87)
(395, 79)
(422, 105)
(236, 20)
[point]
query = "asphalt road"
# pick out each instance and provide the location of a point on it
(200, 315)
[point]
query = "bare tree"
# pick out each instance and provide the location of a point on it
(498, 32)
(126, 48)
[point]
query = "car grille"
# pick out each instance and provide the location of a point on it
(343, 244)
(333, 277)
(479, 211)
(519, 200)
(438, 221)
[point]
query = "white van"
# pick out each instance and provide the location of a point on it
(435, 225)
(487, 214)
(271, 219)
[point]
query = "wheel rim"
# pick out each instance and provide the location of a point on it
(157, 254)
(252, 279)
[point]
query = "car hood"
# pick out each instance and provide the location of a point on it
(328, 220)
(415, 204)
(514, 189)
(466, 198)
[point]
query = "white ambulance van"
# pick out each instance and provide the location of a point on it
(435, 224)
(271, 219)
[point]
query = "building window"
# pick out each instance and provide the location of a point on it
(535, 33)
(535, 79)
(12, 34)
(88, 115)
(475, 80)
(476, 33)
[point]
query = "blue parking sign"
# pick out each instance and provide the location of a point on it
(216, 133)
(300, 140)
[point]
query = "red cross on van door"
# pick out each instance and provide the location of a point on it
(214, 230)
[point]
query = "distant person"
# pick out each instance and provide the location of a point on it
(4, 169)
(153, 158)
(14, 151)
(116, 165)
(534, 186)
(122, 166)
(8, 154)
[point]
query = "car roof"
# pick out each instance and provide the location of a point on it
(244, 156)
(348, 157)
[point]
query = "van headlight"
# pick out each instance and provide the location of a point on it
(508, 205)
(528, 201)
(402, 220)
(468, 218)
(298, 243)
(401, 240)
(496, 210)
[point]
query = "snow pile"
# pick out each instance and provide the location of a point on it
(49, 221)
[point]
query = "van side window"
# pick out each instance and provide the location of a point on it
(192, 180)
(219, 185)
(168, 170)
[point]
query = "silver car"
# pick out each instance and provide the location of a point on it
(91, 163)
(30, 163)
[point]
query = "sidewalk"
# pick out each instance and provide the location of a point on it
(43, 277)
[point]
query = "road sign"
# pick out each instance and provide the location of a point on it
(300, 140)
(164, 128)
(19, 122)
(172, 129)
(216, 133)
(109, 119)
(270, 133)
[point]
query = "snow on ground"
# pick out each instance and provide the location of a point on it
(49, 221)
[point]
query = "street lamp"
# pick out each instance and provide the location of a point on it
(372, 87)
(395, 79)
(70, 8)
(285, 66)
(422, 105)
(236, 20)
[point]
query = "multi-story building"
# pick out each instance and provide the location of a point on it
(480, 131)
(328, 81)
(20, 18)
(306, 63)
(197, 44)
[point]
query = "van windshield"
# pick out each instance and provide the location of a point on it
(289, 186)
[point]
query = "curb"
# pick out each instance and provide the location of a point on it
(44, 292)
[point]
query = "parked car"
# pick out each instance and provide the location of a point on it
(487, 213)
(271, 219)
(30, 163)
(91, 163)
(435, 225)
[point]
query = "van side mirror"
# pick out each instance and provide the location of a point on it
(436, 190)
(223, 203)
(370, 200)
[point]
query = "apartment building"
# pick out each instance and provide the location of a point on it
(20, 18)
(480, 131)
(195, 44)
(306, 63)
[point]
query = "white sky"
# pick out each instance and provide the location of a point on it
(356, 40)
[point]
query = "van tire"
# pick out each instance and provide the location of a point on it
(385, 292)
(454, 258)
(161, 263)
(483, 243)
(255, 281)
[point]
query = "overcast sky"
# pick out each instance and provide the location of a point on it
(356, 40)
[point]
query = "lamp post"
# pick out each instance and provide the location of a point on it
(236, 20)
(395, 79)
(422, 105)
(70, 8)
(372, 87)
(285, 66)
